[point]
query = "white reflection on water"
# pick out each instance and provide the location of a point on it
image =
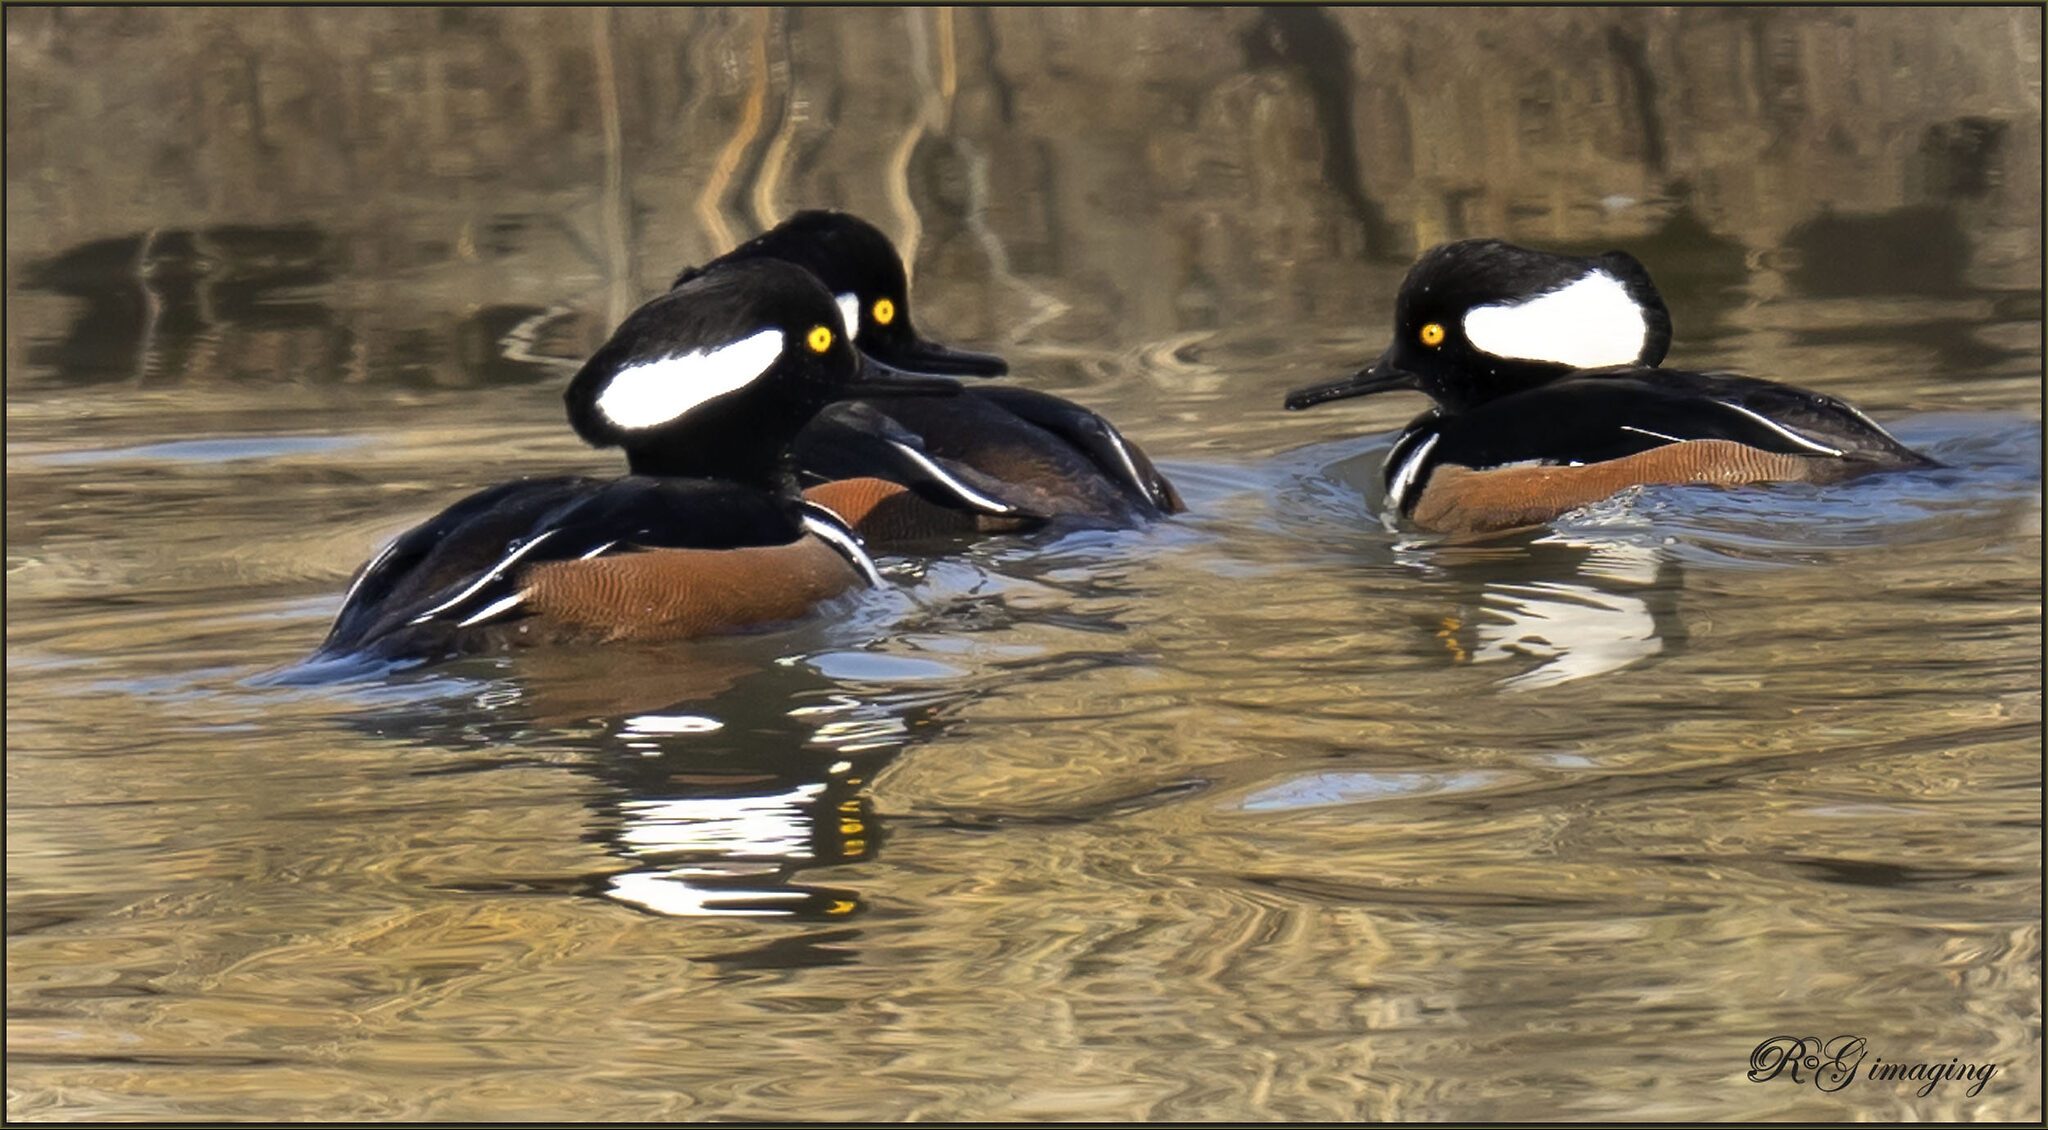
(1578, 630)
(212, 450)
(672, 724)
(1323, 790)
(774, 826)
(670, 893)
(733, 801)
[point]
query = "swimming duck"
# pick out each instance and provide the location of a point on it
(990, 459)
(705, 389)
(1548, 396)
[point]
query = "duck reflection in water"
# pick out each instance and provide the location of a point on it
(1579, 599)
(1580, 603)
(727, 831)
(726, 778)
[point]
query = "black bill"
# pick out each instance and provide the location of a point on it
(878, 379)
(933, 359)
(1380, 376)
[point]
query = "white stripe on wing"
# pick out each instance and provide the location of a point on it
(491, 575)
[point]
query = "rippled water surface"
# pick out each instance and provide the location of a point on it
(1268, 811)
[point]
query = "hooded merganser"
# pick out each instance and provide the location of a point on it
(705, 388)
(990, 459)
(1548, 396)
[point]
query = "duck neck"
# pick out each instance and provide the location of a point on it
(772, 469)
(1475, 386)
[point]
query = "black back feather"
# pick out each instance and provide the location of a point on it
(1610, 414)
(434, 570)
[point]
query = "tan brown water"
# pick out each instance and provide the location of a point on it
(1266, 812)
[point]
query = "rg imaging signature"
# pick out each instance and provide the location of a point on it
(1833, 1064)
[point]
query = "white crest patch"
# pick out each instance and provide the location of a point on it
(653, 393)
(849, 313)
(1587, 325)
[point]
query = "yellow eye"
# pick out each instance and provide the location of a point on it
(885, 311)
(820, 339)
(1432, 335)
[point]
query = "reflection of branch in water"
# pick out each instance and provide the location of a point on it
(617, 250)
(1308, 41)
(933, 109)
(520, 344)
(768, 177)
(1044, 305)
(1632, 56)
(949, 68)
(710, 211)
(153, 308)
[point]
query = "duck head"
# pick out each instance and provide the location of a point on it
(865, 276)
(1479, 319)
(716, 377)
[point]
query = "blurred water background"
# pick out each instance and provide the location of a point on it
(1267, 812)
